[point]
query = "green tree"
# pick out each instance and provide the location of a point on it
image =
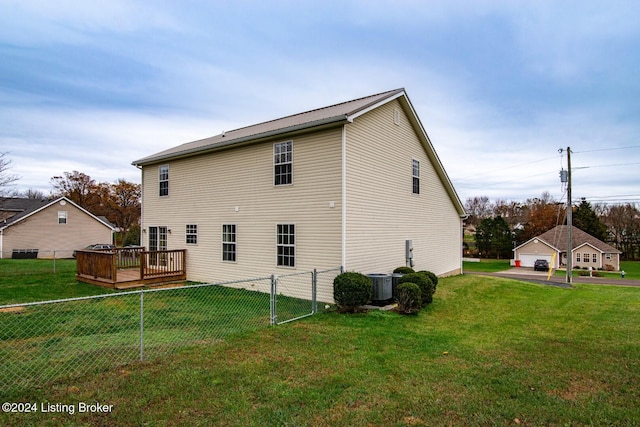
(586, 219)
(494, 238)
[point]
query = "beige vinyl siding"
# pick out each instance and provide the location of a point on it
(41, 231)
(586, 252)
(235, 186)
(382, 211)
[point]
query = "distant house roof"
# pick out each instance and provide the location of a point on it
(331, 115)
(557, 238)
(14, 209)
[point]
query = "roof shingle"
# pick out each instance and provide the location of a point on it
(557, 237)
(332, 114)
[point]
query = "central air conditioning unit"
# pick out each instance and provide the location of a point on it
(382, 288)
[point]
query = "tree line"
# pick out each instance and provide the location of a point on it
(502, 225)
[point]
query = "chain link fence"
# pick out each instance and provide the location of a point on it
(35, 261)
(46, 341)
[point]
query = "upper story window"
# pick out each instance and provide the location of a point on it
(163, 180)
(283, 163)
(192, 234)
(62, 217)
(416, 177)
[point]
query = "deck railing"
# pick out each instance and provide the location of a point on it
(105, 264)
(162, 263)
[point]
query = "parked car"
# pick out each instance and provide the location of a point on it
(541, 265)
(98, 247)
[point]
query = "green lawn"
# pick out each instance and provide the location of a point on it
(487, 265)
(631, 268)
(488, 351)
(32, 280)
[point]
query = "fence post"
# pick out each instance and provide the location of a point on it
(273, 308)
(54, 262)
(314, 288)
(141, 325)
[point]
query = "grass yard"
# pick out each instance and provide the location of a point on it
(488, 351)
(631, 268)
(31, 280)
(487, 265)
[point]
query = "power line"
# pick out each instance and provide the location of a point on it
(510, 167)
(607, 166)
(607, 149)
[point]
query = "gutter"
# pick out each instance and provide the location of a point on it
(254, 137)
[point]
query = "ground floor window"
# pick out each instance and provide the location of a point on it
(192, 234)
(229, 249)
(286, 245)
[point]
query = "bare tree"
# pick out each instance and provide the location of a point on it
(78, 187)
(6, 179)
(477, 208)
(623, 223)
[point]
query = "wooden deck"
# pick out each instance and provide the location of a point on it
(127, 268)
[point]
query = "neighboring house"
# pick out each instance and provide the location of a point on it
(345, 185)
(587, 251)
(36, 228)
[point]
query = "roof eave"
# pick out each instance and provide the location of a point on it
(322, 123)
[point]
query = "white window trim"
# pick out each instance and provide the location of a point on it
(295, 252)
(234, 243)
(187, 234)
(414, 176)
(275, 164)
(160, 180)
(63, 215)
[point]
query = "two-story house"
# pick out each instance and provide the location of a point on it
(344, 185)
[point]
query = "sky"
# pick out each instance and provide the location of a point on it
(499, 85)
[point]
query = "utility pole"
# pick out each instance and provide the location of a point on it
(569, 216)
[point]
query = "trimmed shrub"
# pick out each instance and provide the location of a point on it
(409, 300)
(424, 283)
(404, 270)
(351, 290)
(433, 277)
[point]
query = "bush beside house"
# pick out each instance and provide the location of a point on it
(352, 290)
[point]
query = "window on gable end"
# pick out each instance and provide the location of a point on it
(163, 180)
(62, 217)
(416, 177)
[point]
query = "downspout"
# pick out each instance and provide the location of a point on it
(1, 238)
(343, 250)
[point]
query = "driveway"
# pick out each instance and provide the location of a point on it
(527, 274)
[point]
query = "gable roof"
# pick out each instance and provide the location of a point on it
(331, 116)
(557, 238)
(24, 208)
(14, 208)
